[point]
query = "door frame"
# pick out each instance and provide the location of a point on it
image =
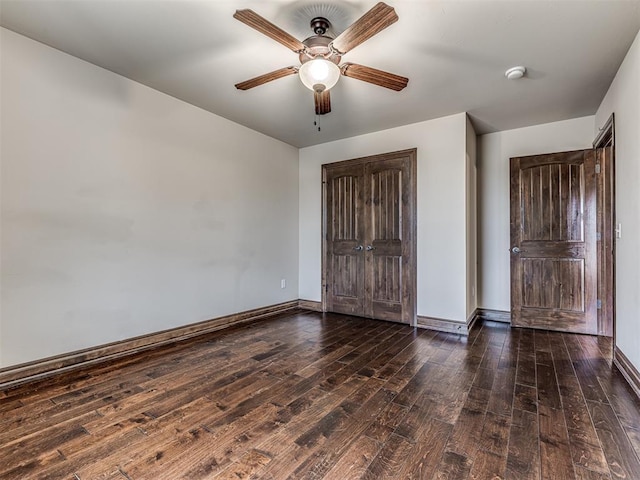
(605, 218)
(412, 219)
(605, 193)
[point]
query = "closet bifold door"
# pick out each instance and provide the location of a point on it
(369, 237)
(388, 234)
(344, 187)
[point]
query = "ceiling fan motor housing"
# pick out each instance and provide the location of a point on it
(318, 46)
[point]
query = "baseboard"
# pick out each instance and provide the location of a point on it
(442, 325)
(463, 328)
(494, 315)
(472, 320)
(310, 305)
(40, 369)
(629, 372)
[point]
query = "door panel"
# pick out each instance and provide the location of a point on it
(385, 239)
(552, 202)
(568, 275)
(553, 275)
(370, 202)
(345, 232)
(345, 276)
(386, 199)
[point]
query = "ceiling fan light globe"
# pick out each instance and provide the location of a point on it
(319, 74)
(319, 69)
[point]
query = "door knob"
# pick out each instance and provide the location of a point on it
(515, 250)
(358, 248)
(369, 248)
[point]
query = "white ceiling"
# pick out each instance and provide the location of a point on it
(454, 53)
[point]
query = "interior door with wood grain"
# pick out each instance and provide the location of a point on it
(553, 242)
(389, 239)
(345, 234)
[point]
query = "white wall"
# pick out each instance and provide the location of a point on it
(471, 218)
(623, 99)
(125, 211)
(441, 209)
(494, 151)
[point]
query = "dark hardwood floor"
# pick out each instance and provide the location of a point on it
(307, 396)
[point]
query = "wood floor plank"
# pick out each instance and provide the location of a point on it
(448, 395)
(587, 452)
(585, 474)
(453, 466)
(424, 460)
(488, 466)
(467, 430)
(523, 459)
(526, 369)
(206, 453)
(386, 422)
(495, 434)
(246, 466)
(623, 463)
(339, 441)
(634, 438)
(585, 370)
(555, 453)
(525, 398)
(585, 445)
(355, 460)
(314, 396)
(412, 351)
(484, 378)
(548, 391)
(288, 454)
(390, 460)
(502, 392)
(622, 398)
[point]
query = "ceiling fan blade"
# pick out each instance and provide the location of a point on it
(323, 102)
(371, 23)
(267, 77)
(372, 75)
(264, 26)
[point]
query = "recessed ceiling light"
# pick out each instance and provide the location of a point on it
(515, 73)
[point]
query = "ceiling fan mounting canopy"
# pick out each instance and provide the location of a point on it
(320, 25)
(320, 54)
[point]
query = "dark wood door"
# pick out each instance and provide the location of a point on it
(345, 233)
(553, 240)
(370, 266)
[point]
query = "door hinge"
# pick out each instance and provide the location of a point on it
(598, 236)
(598, 304)
(597, 168)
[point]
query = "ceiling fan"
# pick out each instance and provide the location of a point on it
(320, 54)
